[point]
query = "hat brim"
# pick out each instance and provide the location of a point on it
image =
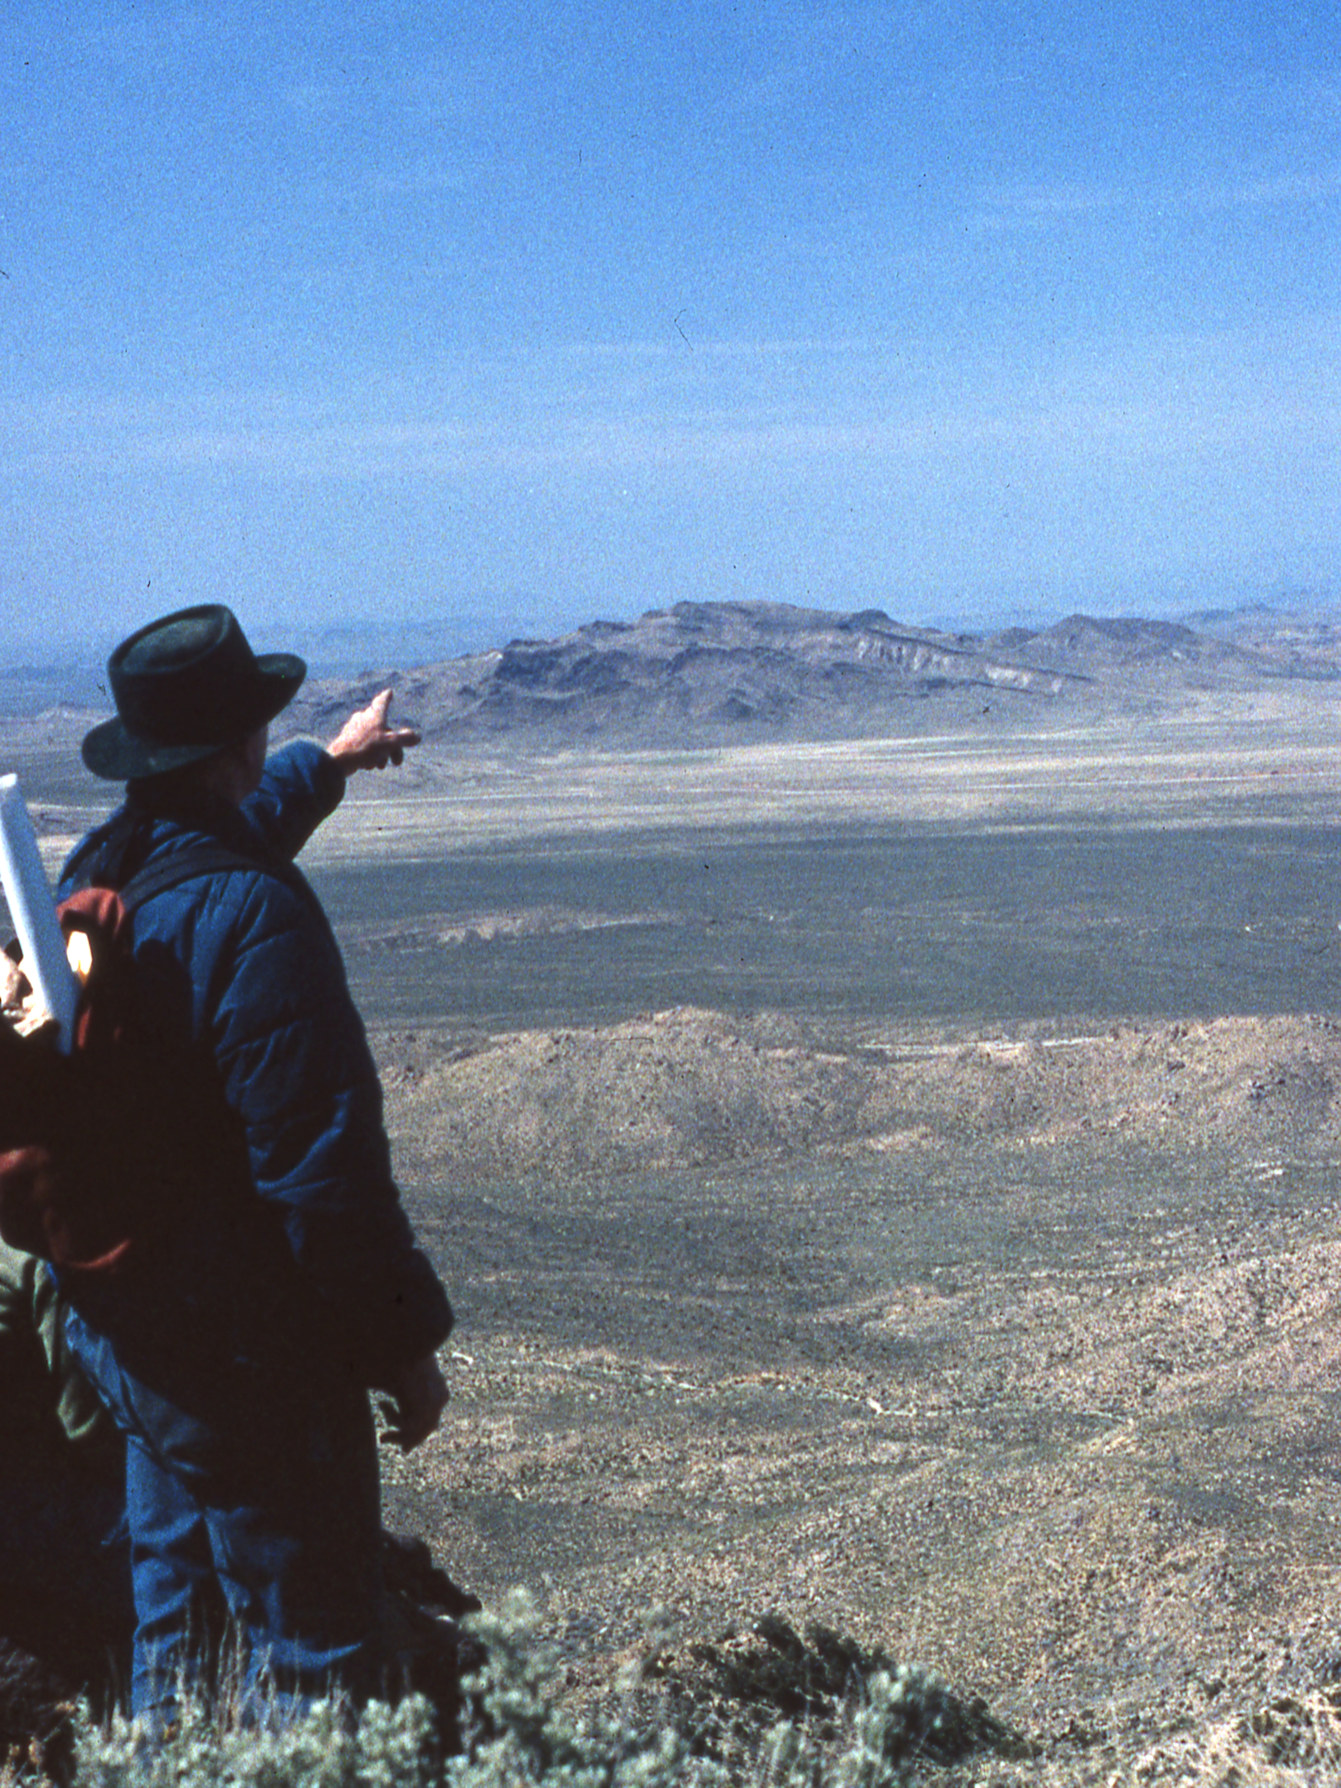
(111, 751)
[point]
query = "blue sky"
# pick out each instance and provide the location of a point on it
(511, 316)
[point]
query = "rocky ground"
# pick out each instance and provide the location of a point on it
(689, 1088)
(1016, 1357)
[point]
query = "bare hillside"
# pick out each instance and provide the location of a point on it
(1013, 1355)
(694, 1089)
(722, 672)
(739, 673)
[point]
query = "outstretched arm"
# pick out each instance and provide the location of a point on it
(302, 784)
(367, 741)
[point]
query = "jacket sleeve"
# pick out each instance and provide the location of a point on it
(298, 1073)
(40, 1378)
(301, 786)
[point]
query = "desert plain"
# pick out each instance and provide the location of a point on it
(890, 1183)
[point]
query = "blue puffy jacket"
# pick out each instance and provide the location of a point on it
(242, 965)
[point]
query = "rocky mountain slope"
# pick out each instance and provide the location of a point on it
(1017, 1356)
(723, 672)
(690, 1089)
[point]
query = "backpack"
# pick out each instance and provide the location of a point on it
(97, 1146)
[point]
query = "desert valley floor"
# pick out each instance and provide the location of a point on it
(893, 1184)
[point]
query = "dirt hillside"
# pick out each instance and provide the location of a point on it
(1013, 1356)
(688, 1088)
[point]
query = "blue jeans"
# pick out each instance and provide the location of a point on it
(257, 1499)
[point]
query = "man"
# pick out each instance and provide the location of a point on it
(236, 1345)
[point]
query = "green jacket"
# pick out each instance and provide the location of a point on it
(45, 1400)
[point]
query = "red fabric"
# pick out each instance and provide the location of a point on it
(98, 913)
(62, 1156)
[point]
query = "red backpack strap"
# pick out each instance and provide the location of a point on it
(103, 918)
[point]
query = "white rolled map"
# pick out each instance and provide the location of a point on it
(33, 911)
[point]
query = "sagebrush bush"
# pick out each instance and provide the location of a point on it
(519, 1732)
(389, 1747)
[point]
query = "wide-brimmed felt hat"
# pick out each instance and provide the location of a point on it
(185, 687)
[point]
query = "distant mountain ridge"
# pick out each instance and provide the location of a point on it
(713, 673)
(719, 673)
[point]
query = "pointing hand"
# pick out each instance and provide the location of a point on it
(367, 742)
